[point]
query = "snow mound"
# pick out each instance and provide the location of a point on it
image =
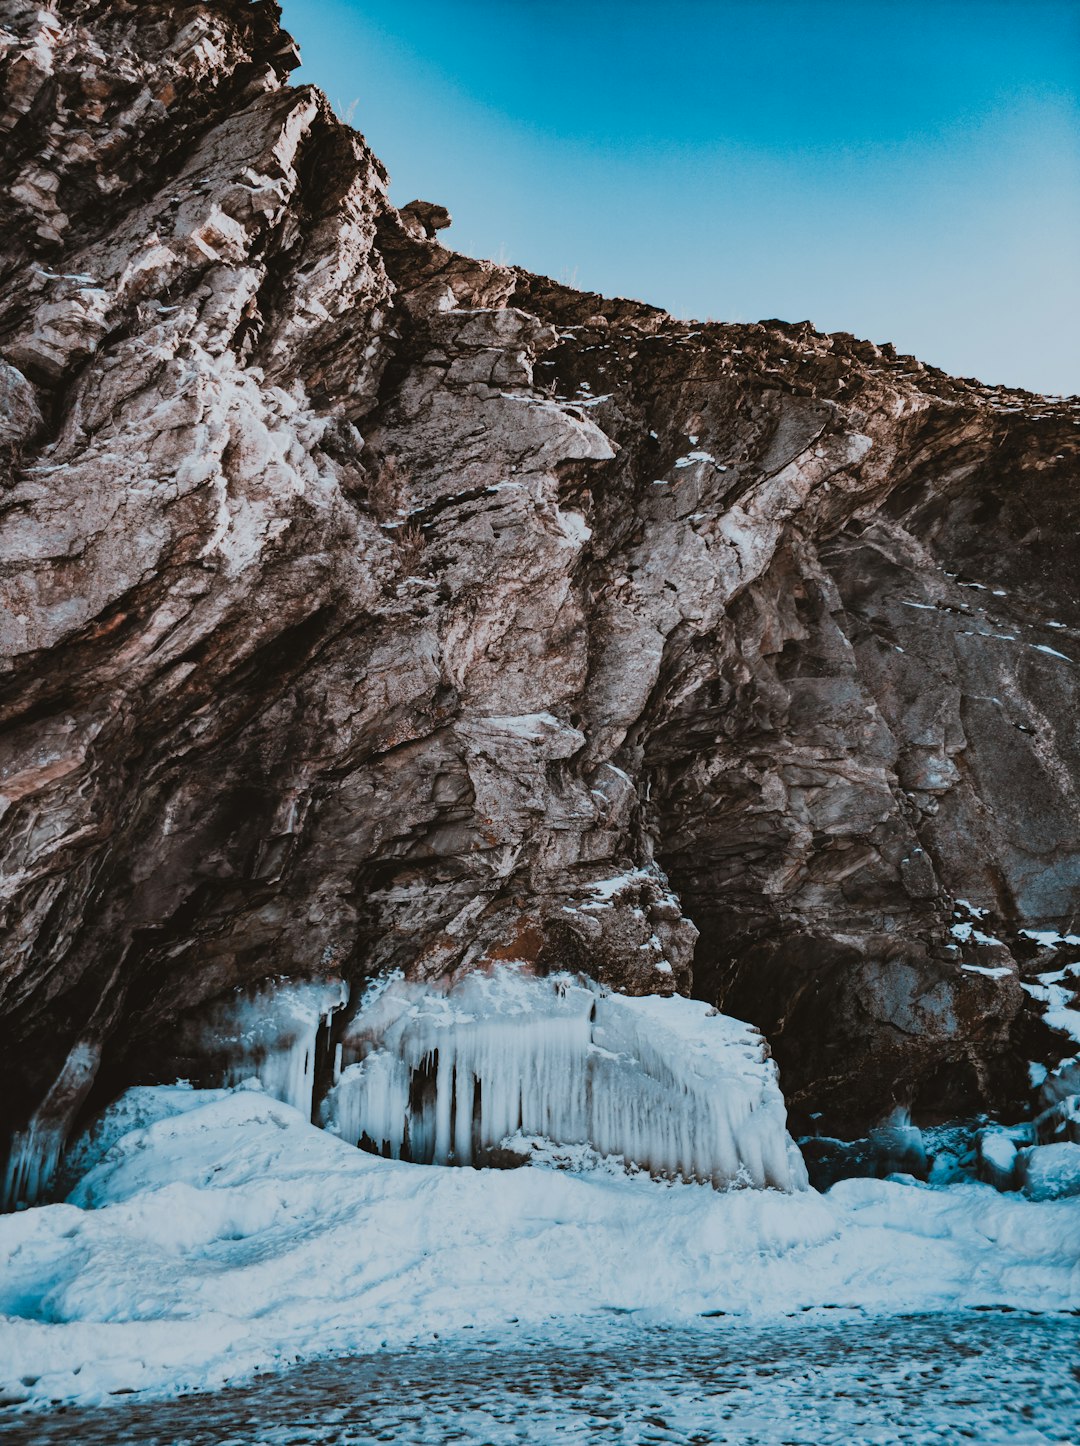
(668, 1084)
(214, 1234)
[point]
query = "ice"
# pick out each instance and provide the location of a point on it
(35, 1152)
(998, 1159)
(271, 1035)
(532, 726)
(214, 1234)
(666, 1083)
(33, 1155)
(1060, 1121)
(1060, 1083)
(618, 772)
(1051, 1172)
(1051, 652)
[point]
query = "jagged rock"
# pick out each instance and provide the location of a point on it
(369, 606)
(423, 218)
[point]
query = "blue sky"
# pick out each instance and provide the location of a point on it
(908, 170)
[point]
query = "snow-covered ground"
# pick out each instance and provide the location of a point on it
(842, 1379)
(214, 1233)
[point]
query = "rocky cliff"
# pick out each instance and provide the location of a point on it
(366, 606)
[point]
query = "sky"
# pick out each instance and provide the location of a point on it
(907, 170)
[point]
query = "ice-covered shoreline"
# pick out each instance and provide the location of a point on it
(217, 1233)
(825, 1379)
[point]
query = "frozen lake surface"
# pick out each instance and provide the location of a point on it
(983, 1377)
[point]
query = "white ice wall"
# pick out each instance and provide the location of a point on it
(667, 1083)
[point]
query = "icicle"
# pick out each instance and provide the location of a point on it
(272, 1034)
(34, 1153)
(668, 1084)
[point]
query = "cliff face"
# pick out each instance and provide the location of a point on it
(367, 606)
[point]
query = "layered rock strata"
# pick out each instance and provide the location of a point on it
(366, 606)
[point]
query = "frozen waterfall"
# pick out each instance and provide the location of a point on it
(272, 1035)
(35, 1152)
(666, 1083)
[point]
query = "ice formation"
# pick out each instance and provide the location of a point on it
(272, 1035)
(667, 1083)
(34, 1153)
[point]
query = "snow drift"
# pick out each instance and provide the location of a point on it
(213, 1233)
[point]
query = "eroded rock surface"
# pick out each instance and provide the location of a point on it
(366, 606)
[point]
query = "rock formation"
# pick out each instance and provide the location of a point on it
(366, 606)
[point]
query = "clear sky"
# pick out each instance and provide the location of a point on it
(908, 170)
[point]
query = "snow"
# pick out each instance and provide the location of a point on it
(1059, 1012)
(604, 890)
(1000, 973)
(973, 909)
(667, 1084)
(1049, 938)
(576, 530)
(692, 457)
(965, 932)
(215, 1233)
(835, 1379)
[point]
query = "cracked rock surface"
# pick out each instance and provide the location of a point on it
(366, 606)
